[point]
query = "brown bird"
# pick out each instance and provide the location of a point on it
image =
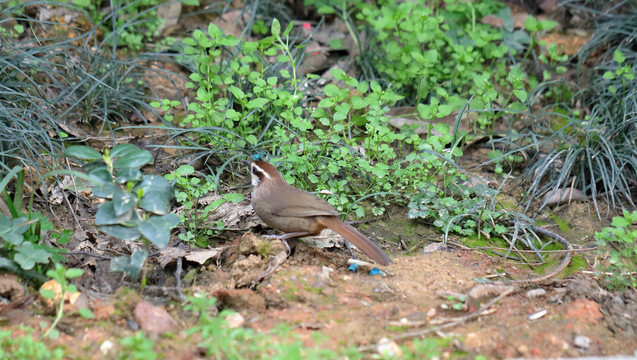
(298, 213)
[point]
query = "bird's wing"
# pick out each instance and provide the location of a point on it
(299, 203)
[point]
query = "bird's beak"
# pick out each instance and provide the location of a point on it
(247, 162)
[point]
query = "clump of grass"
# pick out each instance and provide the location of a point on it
(588, 140)
(57, 82)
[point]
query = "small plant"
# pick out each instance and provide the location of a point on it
(61, 275)
(130, 23)
(463, 210)
(137, 347)
(455, 303)
(189, 190)
(223, 342)
(21, 233)
(425, 349)
(501, 161)
(246, 102)
(620, 241)
(624, 72)
(26, 346)
(137, 205)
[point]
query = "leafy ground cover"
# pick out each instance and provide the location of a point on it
(489, 130)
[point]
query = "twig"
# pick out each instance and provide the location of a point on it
(275, 262)
(554, 272)
(180, 295)
(105, 257)
(458, 321)
(464, 247)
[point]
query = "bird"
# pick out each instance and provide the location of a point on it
(298, 213)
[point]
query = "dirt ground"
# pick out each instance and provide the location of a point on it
(313, 291)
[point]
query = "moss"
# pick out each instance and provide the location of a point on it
(563, 224)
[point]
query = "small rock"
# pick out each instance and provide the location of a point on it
(132, 324)
(325, 273)
(535, 293)
(582, 342)
(154, 319)
(537, 315)
(433, 247)
(239, 299)
(235, 320)
(106, 347)
(562, 196)
(389, 348)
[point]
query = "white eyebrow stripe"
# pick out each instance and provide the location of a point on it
(265, 173)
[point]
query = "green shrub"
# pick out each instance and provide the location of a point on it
(189, 190)
(620, 241)
(21, 234)
(248, 101)
(138, 205)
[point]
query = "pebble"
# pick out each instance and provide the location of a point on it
(582, 342)
(235, 320)
(388, 348)
(535, 293)
(432, 248)
(537, 315)
(106, 347)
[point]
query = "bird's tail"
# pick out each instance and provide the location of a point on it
(352, 235)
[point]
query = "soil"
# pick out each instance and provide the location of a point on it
(313, 290)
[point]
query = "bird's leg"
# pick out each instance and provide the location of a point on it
(286, 238)
(349, 248)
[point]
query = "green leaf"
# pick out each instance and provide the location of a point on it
(73, 273)
(325, 9)
(444, 110)
(331, 90)
(157, 229)
(124, 150)
(82, 152)
(257, 103)
(131, 265)
(105, 190)
(531, 24)
(12, 230)
(619, 56)
(335, 44)
(327, 102)
(520, 94)
(547, 24)
(86, 313)
(134, 159)
(47, 294)
(27, 256)
(238, 93)
(213, 31)
(375, 86)
(620, 222)
(157, 194)
(82, 3)
(125, 175)
(106, 215)
(122, 232)
(275, 29)
(358, 102)
(609, 75)
(288, 29)
(234, 197)
(123, 202)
